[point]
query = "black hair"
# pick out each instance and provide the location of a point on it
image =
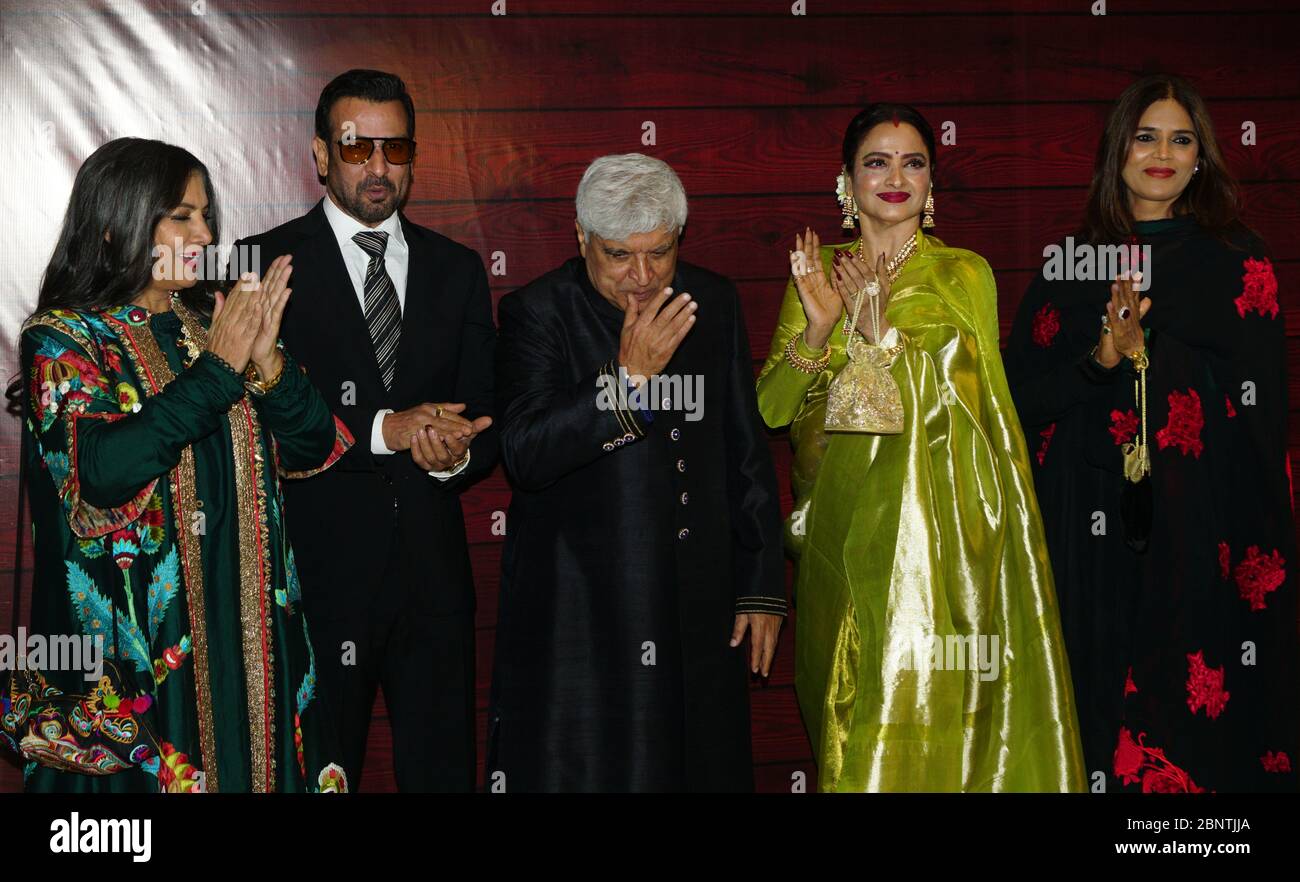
(370, 85)
(104, 254)
(882, 112)
(1211, 195)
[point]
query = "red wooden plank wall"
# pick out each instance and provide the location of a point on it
(749, 102)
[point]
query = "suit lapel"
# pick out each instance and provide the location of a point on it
(418, 310)
(329, 280)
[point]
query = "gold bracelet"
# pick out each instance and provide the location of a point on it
(806, 365)
(1140, 359)
(254, 383)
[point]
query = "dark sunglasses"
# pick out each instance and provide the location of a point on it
(398, 151)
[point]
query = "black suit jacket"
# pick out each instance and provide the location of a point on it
(347, 523)
(628, 531)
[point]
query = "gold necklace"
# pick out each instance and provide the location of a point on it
(892, 269)
(895, 265)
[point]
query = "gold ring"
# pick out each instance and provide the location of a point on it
(437, 411)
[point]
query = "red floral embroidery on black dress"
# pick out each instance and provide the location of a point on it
(1225, 561)
(1227, 401)
(1134, 762)
(1205, 686)
(1047, 440)
(1259, 574)
(1047, 322)
(1129, 757)
(1129, 686)
(1168, 779)
(1185, 423)
(1276, 762)
(1123, 425)
(1259, 289)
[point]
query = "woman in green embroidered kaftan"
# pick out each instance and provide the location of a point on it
(157, 516)
(928, 646)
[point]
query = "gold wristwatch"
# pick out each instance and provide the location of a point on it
(254, 383)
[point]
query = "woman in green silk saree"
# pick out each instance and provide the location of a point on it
(928, 646)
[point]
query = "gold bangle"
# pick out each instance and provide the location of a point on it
(806, 365)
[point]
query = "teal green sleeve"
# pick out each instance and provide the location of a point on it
(108, 455)
(300, 422)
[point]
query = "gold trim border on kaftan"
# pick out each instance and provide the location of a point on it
(254, 577)
(155, 373)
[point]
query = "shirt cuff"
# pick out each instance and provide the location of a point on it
(377, 445)
(627, 419)
(454, 470)
(773, 606)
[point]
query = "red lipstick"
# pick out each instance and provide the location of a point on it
(894, 196)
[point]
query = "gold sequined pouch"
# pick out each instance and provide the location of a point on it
(864, 396)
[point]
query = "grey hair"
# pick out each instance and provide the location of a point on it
(623, 194)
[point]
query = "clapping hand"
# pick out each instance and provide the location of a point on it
(246, 320)
(437, 435)
(275, 291)
(851, 277)
(821, 304)
(1121, 333)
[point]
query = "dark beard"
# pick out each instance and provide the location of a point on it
(363, 209)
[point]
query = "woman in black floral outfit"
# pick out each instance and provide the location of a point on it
(1176, 584)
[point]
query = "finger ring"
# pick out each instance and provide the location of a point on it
(437, 411)
(1105, 319)
(1105, 329)
(1125, 312)
(872, 289)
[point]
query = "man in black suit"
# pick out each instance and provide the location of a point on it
(393, 323)
(644, 540)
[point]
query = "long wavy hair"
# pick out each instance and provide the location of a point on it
(1211, 195)
(104, 254)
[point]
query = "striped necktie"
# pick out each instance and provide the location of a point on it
(383, 311)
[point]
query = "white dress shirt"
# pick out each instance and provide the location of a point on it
(396, 261)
